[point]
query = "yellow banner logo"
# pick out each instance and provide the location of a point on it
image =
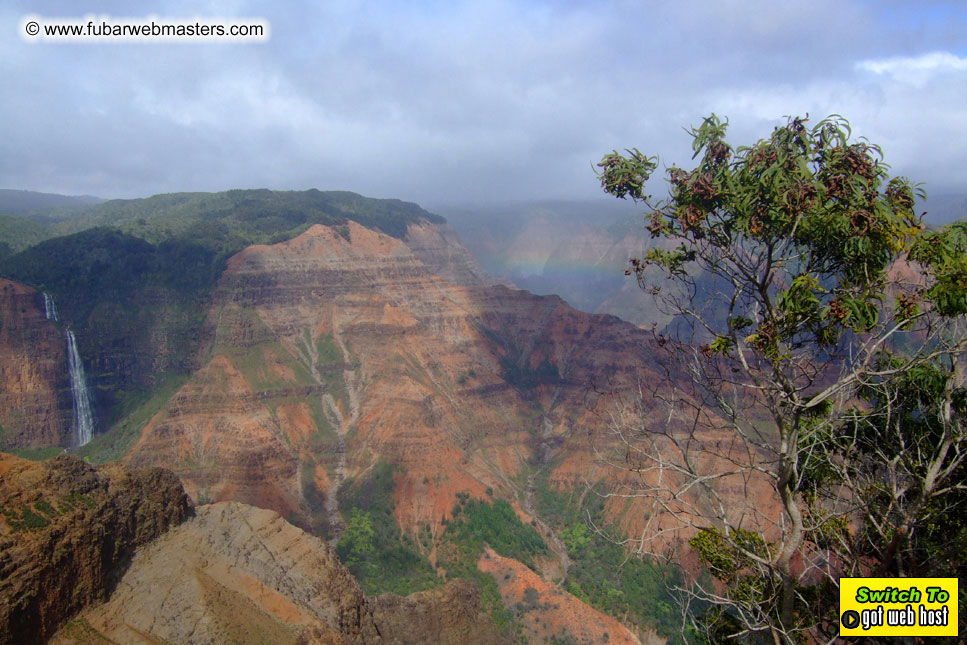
(898, 606)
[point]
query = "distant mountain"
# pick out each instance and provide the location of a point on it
(578, 250)
(25, 216)
(24, 202)
(141, 272)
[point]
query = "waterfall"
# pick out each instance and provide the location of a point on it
(83, 418)
(50, 309)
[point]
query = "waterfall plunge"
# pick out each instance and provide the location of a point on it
(50, 309)
(83, 418)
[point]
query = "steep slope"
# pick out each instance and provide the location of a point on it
(339, 347)
(67, 532)
(35, 403)
(239, 574)
(439, 249)
(550, 612)
(312, 340)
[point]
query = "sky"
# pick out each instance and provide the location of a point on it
(448, 101)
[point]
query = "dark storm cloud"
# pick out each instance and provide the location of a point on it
(477, 100)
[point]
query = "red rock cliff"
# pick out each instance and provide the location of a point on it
(35, 403)
(67, 532)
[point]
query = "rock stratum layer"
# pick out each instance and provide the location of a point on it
(239, 574)
(333, 350)
(67, 533)
(341, 347)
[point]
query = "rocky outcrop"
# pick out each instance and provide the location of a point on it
(35, 403)
(448, 614)
(234, 573)
(67, 533)
(239, 574)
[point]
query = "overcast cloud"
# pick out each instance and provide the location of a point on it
(450, 101)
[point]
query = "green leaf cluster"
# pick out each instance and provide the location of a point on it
(727, 556)
(475, 524)
(815, 211)
(625, 176)
(944, 254)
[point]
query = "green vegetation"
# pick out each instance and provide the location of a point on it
(382, 560)
(330, 364)
(121, 295)
(257, 361)
(80, 499)
(476, 523)
(134, 411)
(106, 264)
(38, 517)
(36, 454)
(80, 631)
(44, 507)
(516, 363)
(24, 519)
(18, 233)
(260, 216)
(519, 373)
(372, 546)
(603, 573)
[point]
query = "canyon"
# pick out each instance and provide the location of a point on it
(310, 362)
